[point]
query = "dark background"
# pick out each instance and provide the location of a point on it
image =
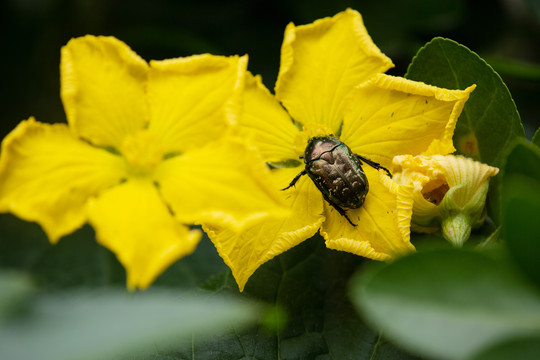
(506, 33)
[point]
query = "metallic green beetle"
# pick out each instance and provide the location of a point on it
(337, 172)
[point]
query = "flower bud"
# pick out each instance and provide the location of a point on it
(449, 193)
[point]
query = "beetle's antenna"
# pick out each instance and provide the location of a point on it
(338, 132)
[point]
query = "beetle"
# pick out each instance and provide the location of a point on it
(337, 172)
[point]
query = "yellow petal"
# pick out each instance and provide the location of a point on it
(428, 180)
(267, 123)
(103, 85)
(194, 99)
(133, 222)
(245, 251)
(321, 63)
(389, 116)
(47, 176)
(223, 184)
(382, 230)
(461, 170)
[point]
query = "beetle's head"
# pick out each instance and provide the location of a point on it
(318, 145)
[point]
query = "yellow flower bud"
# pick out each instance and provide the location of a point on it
(449, 193)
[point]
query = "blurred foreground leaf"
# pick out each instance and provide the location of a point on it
(447, 304)
(310, 318)
(14, 290)
(520, 207)
(521, 348)
(109, 324)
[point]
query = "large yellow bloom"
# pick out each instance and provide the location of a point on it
(331, 82)
(141, 157)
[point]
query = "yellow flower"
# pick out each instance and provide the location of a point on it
(449, 193)
(141, 157)
(331, 83)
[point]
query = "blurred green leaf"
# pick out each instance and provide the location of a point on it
(78, 260)
(14, 289)
(447, 303)
(536, 138)
(520, 207)
(195, 269)
(490, 121)
(311, 315)
(535, 8)
(515, 68)
(105, 324)
(520, 348)
(522, 159)
(21, 243)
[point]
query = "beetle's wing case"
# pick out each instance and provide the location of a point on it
(340, 177)
(355, 183)
(351, 185)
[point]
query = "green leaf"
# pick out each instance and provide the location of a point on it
(489, 121)
(520, 207)
(521, 348)
(310, 317)
(536, 138)
(447, 303)
(105, 324)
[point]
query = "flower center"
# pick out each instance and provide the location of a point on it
(143, 151)
(309, 131)
(435, 190)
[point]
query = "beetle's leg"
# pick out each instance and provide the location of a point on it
(341, 211)
(296, 178)
(373, 164)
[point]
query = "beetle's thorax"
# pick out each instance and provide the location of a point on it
(317, 146)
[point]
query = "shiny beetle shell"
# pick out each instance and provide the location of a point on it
(337, 172)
